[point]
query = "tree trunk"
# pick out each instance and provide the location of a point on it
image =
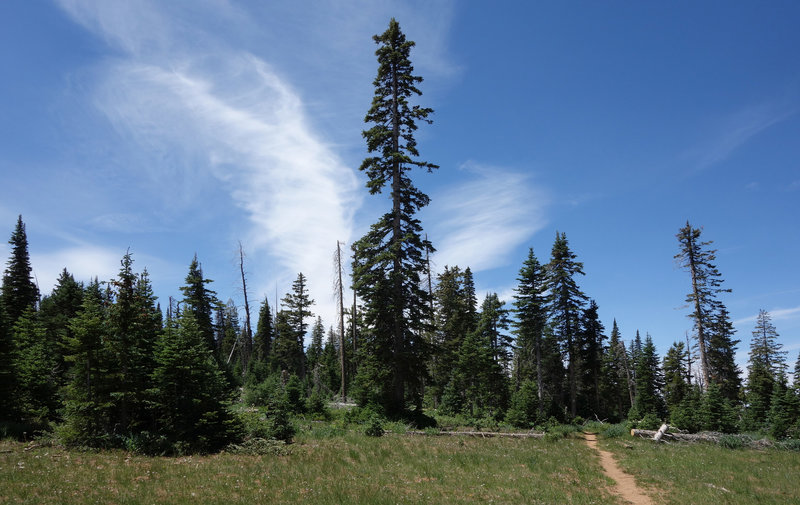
(687, 437)
(341, 319)
(627, 371)
(247, 348)
(699, 317)
(539, 388)
(397, 277)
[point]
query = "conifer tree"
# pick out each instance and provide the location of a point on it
(565, 304)
(230, 331)
(8, 382)
(676, 385)
(649, 382)
(524, 410)
(784, 410)
(314, 354)
(55, 313)
(133, 328)
(297, 305)
(721, 355)
(389, 261)
(478, 386)
(88, 398)
(695, 257)
(716, 413)
(201, 301)
(590, 349)
(553, 376)
(493, 324)
(264, 333)
(453, 323)
(616, 383)
(286, 355)
(35, 371)
(767, 363)
(189, 391)
(330, 363)
(18, 292)
(531, 318)
(470, 300)
(796, 384)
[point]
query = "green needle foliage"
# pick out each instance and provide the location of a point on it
(190, 393)
(389, 261)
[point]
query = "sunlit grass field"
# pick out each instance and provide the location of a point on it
(344, 469)
(331, 466)
(681, 473)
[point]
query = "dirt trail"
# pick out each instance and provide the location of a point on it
(626, 487)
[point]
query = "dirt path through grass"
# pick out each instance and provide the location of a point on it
(626, 486)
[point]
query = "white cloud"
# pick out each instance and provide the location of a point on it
(207, 92)
(775, 315)
(738, 129)
(481, 221)
(83, 262)
(234, 119)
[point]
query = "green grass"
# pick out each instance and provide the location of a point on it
(346, 468)
(680, 473)
(332, 464)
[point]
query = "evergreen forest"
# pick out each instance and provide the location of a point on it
(104, 363)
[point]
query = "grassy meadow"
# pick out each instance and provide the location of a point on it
(350, 468)
(328, 465)
(680, 473)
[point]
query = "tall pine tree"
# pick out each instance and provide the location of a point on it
(695, 257)
(590, 348)
(262, 344)
(18, 292)
(616, 386)
(649, 383)
(565, 305)
(531, 317)
(721, 353)
(55, 313)
(88, 402)
(389, 261)
(297, 310)
(766, 364)
(201, 301)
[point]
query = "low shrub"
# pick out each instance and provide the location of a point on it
(374, 427)
(615, 431)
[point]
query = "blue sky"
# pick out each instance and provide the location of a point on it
(175, 128)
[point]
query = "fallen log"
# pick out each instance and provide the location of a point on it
(482, 434)
(660, 432)
(689, 437)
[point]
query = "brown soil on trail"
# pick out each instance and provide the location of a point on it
(625, 484)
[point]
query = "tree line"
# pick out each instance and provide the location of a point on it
(105, 365)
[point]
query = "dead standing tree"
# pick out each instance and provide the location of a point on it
(247, 345)
(339, 290)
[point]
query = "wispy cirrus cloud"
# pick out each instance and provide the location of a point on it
(775, 315)
(480, 222)
(177, 89)
(737, 129)
(256, 99)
